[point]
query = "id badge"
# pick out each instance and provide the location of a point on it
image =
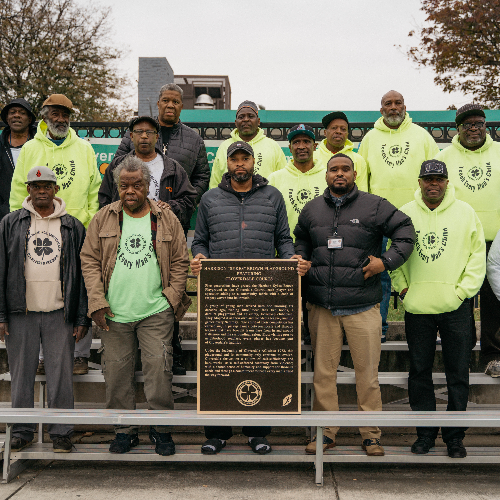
(335, 242)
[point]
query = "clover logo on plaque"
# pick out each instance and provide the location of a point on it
(248, 393)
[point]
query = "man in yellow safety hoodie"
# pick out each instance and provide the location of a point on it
(394, 150)
(473, 161)
(269, 156)
(445, 270)
(336, 132)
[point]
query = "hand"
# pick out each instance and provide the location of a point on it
(79, 332)
(3, 331)
(402, 294)
(100, 320)
(375, 266)
(163, 204)
(196, 264)
(303, 265)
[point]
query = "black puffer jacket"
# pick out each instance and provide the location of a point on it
(336, 277)
(185, 146)
(13, 240)
(7, 168)
(175, 188)
(254, 226)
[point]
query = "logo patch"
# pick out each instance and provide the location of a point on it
(248, 393)
(431, 246)
(395, 154)
(135, 244)
(301, 197)
(43, 248)
(475, 178)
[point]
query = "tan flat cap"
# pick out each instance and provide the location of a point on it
(59, 100)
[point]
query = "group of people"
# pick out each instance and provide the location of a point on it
(73, 249)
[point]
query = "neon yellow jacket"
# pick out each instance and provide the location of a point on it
(393, 159)
(448, 262)
(298, 188)
(476, 177)
(75, 166)
(323, 154)
(269, 156)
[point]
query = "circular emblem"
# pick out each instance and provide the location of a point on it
(303, 196)
(248, 393)
(135, 244)
(430, 241)
(61, 171)
(475, 173)
(43, 248)
(395, 151)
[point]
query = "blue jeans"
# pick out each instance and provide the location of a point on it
(386, 293)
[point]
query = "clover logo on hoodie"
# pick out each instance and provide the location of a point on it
(300, 198)
(43, 248)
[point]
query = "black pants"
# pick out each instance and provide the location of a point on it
(490, 321)
(226, 432)
(455, 331)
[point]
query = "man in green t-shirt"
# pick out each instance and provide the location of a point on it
(135, 264)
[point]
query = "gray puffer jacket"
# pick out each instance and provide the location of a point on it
(251, 225)
(186, 147)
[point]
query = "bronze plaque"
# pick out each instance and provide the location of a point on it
(249, 336)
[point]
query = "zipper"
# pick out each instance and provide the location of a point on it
(335, 225)
(241, 228)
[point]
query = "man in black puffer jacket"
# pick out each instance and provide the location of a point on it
(242, 218)
(176, 140)
(341, 233)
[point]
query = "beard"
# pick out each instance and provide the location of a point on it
(341, 189)
(395, 120)
(58, 130)
(241, 177)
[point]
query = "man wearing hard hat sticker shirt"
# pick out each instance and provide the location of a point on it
(72, 159)
(269, 156)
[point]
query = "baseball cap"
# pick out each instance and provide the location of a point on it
(332, 116)
(249, 104)
(59, 100)
(467, 110)
(20, 103)
(301, 129)
(41, 174)
(138, 119)
(433, 167)
(235, 146)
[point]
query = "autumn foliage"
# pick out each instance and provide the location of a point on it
(461, 42)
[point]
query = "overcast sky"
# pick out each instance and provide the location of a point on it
(286, 55)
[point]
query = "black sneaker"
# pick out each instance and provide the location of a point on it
(422, 445)
(456, 449)
(123, 442)
(164, 444)
(18, 443)
(62, 444)
(177, 368)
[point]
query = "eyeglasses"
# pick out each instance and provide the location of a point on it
(149, 133)
(467, 126)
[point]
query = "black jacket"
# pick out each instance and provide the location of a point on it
(185, 146)
(13, 240)
(175, 188)
(7, 168)
(336, 277)
(230, 226)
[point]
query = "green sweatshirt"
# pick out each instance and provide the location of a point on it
(476, 177)
(323, 154)
(75, 166)
(269, 156)
(298, 188)
(448, 263)
(393, 159)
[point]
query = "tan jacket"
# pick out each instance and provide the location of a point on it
(99, 251)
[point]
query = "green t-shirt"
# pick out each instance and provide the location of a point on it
(135, 288)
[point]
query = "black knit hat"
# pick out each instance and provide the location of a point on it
(467, 110)
(17, 102)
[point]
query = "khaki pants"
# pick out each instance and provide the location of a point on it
(363, 332)
(119, 350)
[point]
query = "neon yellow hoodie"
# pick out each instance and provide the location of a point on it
(448, 262)
(393, 159)
(75, 166)
(323, 154)
(476, 177)
(298, 188)
(269, 156)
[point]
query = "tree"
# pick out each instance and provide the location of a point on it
(461, 42)
(58, 47)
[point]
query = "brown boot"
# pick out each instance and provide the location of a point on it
(373, 448)
(327, 444)
(81, 366)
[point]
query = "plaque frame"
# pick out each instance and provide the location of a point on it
(299, 339)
